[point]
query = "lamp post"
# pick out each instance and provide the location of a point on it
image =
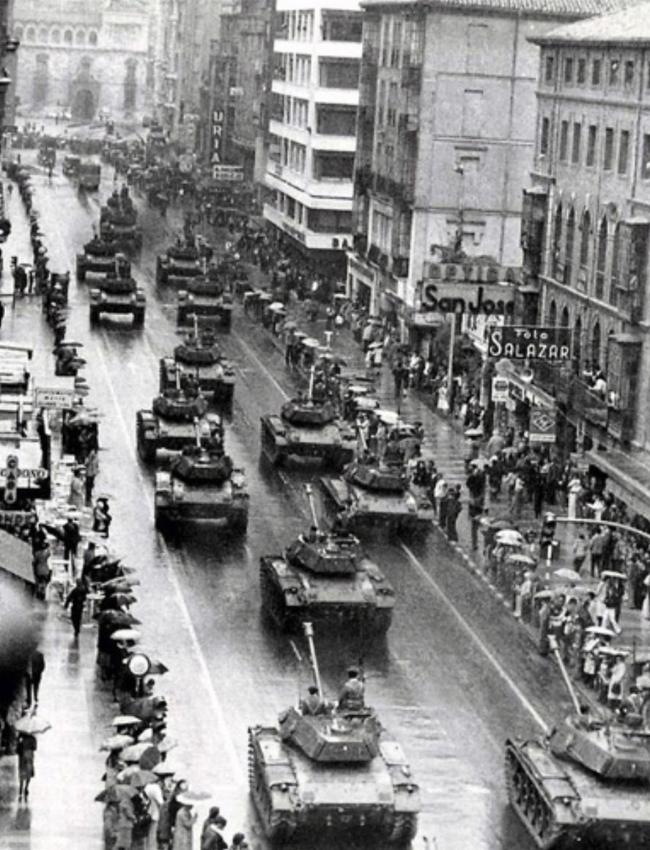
(457, 250)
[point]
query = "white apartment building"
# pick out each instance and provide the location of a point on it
(312, 133)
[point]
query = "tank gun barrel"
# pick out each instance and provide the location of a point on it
(310, 388)
(312, 505)
(567, 681)
(197, 433)
(362, 440)
(309, 634)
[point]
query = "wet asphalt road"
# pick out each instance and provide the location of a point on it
(453, 679)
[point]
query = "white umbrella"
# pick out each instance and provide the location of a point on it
(509, 537)
(32, 724)
(126, 634)
(601, 631)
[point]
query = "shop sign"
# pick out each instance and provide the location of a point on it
(500, 389)
(530, 342)
(54, 398)
(487, 299)
(473, 273)
(13, 518)
(38, 474)
(217, 134)
(427, 320)
(228, 173)
(542, 425)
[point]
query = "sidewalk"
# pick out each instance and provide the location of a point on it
(445, 442)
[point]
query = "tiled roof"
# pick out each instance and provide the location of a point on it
(539, 8)
(626, 26)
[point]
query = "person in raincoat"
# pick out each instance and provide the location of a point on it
(124, 824)
(184, 827)
(77, 494)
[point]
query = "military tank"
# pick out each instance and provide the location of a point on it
(587, 782)
(98, 257)
(202, 484)
(207, 298)
(307, 429)
(199, 360)
(118, 224)
(335, 773)
(169, 426)
(372, 493)
(118, 293)
(180, 264)
(325, 576)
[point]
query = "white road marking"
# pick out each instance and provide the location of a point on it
(494, 661)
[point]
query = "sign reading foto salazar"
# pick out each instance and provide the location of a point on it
(530, 342)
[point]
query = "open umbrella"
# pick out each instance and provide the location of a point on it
(134, 751)
(124, 599)
(125, 720)
(290, 325)
(191, 796)
(126, 634)
(521, 558)
(509, 537)
(32, 724)
(567, 574)
(473, 432)
(165, 768)
(167, 744)
(612, 574)
(116, 742)
(120, 582)
(600, 631)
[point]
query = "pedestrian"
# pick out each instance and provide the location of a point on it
(25, 749)
(76, 599)
(453, 509)
(440, 491)
(42, 572)
(597, 546)
(35, 670)
(239, 842)
(212, 837)
(71, 537)
(184, 826)
(574, 489)
(125, 823)
(580, 550)
(76, 497)
(92, 470)
(102, 517)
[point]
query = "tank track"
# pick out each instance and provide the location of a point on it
(273, 607)
(278, 834)
(528, 801)
(269, 447)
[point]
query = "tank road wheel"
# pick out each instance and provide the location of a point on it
(530, 806)
(94, 315)
(404, 828)
(145, 440)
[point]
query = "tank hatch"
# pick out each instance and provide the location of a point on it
(375, 476)
(99, 248)
(197, 352)
(610, 750)
(183, 252)
(118, 285)
(332, 738)
(202, 466)
(307, 413)
(327, 555)
(176, 406)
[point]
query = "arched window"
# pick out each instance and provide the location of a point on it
(601, 258)
(564, 318)
(42, 35)
(18, 32)
(92, 38)
(30, 34)
(569, 244)
(552, 314)
(80, 38)
(585, 234)
(577, 344)
(55, 36)
(67, 36)
(616, 259)
(556, 247)
(595, 345)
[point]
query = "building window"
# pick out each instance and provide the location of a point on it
(333, 166)
(381, 101)
(55, 36)
(569, 245)
(623, 151)
(564, 141)
(592, 140)
(385, 38)
(596, 66)
(585, 236)
(575, 150)
(329, 221)
(391, 114)
(42, 35)
(80, 38)
(581, 73)
(628, 73)
(30, 34)
(614, 72)
(556, 259)
(67, 36)
(549, 69)
(396, 48)
(616, 259)
(336, 120)
(568, 70)
(601, 258)
(544, 136)
(608, 153)
(645, 157)
(92, 38)
(339, 73)
(338, 26)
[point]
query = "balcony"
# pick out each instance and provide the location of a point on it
(588, 405)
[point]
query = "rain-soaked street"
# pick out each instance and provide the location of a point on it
(455, 676)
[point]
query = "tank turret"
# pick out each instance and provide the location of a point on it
(198, 465)
(100, 248)
(306, 413)
(196, 350)
(377, 476)
(324, 553)
(177, 406)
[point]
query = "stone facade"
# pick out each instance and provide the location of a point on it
(90, 57)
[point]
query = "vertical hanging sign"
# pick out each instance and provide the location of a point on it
(217, 134)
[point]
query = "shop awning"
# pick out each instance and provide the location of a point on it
(627, 478)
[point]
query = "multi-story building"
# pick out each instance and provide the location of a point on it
(8, 64)
(445, 143)
(586, 233)
(88, 57)
(316, 56)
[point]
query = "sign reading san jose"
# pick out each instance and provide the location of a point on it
(530, 342)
